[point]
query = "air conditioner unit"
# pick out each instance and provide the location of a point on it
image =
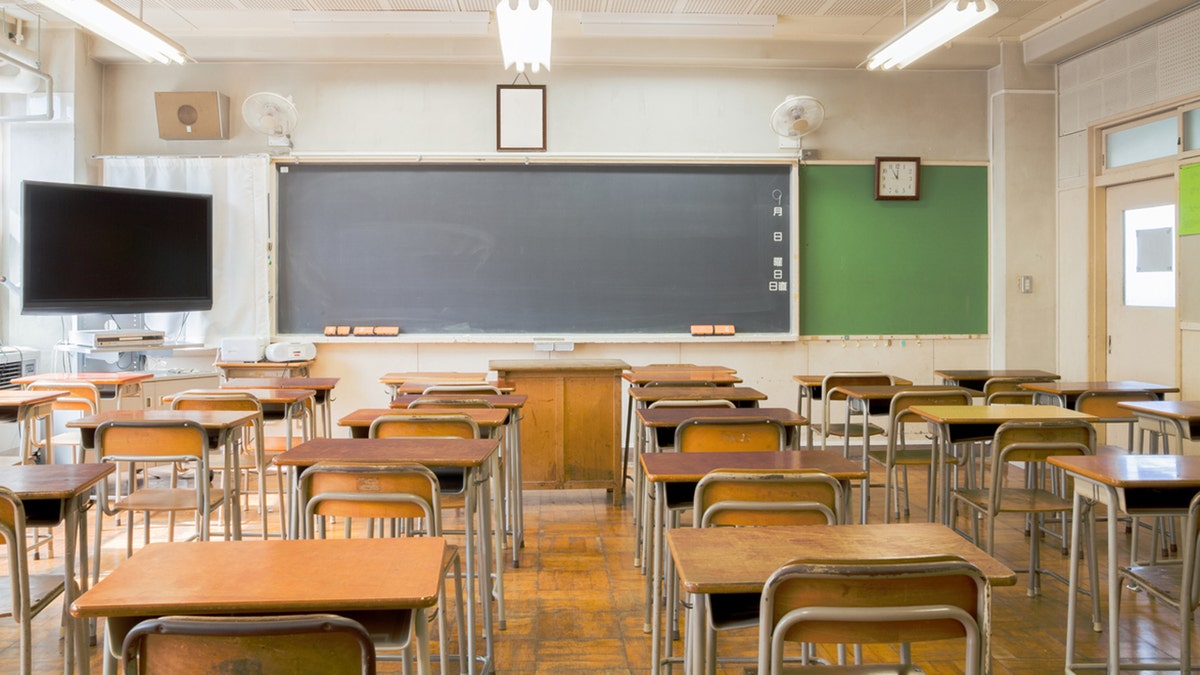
(16, 362)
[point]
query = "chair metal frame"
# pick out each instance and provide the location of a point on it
(847, 429)
(30, 594)
(225, 641)
(871, 602)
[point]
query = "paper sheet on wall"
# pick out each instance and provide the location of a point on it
(1189, 199)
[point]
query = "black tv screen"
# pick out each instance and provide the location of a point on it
(104, 250)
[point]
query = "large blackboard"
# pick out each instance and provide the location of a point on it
(544, 250)
(872, 267)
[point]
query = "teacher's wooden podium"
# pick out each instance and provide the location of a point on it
(571, 424)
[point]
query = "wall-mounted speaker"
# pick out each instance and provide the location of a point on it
(192, 115)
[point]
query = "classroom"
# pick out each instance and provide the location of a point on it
(1006, 260)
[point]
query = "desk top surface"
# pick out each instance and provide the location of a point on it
(442, 452)
(508, 401)
(122, 377)
(484, 417)
(739, 559)
(15, 398)
(681, 375)
(1075, 388)
(815, 381)
(551, 365)
(316, 383)
(650, 394)
(1186, 411)
(685, 467)
(263, 395)
(209, 419)
(434, 377)
(877, 392)
(419, 386)
(987, 374)
(997, 414)
(1146, 471)
(52, 481)
(680, 367)
(674, 416)
(219, 577)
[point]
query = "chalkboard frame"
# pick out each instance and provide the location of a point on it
(786, 201)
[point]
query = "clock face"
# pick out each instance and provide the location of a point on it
(897, 178)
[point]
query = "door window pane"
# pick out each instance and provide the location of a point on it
(1150, 256)
(1191, 129)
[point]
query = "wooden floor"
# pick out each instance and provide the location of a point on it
(575, 604)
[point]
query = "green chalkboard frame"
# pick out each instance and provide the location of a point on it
(872, 267)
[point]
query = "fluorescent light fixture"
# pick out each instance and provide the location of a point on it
(120, 28)
(525, 33)
(391, 23)
(677, 25)
(940, 25)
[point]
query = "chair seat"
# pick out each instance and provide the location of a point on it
(43, 590)
(1164, 581)
(917, 457)
(166, 499)
(1016, 500)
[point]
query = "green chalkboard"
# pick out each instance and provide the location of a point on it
(872, 267)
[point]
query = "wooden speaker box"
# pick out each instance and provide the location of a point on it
(192, 115)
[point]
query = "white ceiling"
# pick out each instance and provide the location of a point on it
(806, 33)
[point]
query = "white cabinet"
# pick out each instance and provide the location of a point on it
(164, 385)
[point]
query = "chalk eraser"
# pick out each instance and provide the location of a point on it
(702, 329)
(331, 330)
(364, 330)
(723, 329)
(390, 331)
(343, 330)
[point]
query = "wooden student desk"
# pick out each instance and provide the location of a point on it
(975, 379)
(1139, 485)
(740, 559)
(1180, 419)
(111, 385)
(416, 382)
(321, 386)
(672, 471)
(278, 405)
(382, 583)
(1065, 394)
(510, 454)
(24, 408)
(221, 426)
(232, 369)
(475, 457)
(963, 423)
(809, 388)
(490, 420)
(53, 494)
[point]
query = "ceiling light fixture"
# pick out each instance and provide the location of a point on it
(121, 28)
(940, 25)
(525, 33)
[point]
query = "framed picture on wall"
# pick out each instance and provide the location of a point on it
(521, 117)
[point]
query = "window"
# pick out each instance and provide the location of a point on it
(1150, 256)
(1143, 142)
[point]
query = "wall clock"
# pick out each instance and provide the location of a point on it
(898, 178)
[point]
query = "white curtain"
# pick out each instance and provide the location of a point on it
(239, 186)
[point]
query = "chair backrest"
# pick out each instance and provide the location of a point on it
(1008, 390)
(447, 402)
(899, 412)
(872, 602)
(461, 389)
(82, 397)
(152, 440)
(314, 643)
(1190, 587)
(743, 498)
(448, 425)
(717, 434)
(692, 403)
(212, 400)
(845, 378)
(12, 535)
(1037, 441)
(370, 490)
(1103, 405)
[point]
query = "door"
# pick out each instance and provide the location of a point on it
(1142, 324)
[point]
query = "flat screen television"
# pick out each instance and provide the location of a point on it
(102, 250)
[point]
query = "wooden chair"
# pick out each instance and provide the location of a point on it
(254, 458)
(130, 443)
(398, 495)
(1103, 406)
(883, 601)
(1176, 584)
(26, 595)
(1028, 445)
(898, 456)
(313, 643)
(82, 399)
(828, 428)
(741, 498)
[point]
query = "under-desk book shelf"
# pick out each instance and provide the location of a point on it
(544, 249)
